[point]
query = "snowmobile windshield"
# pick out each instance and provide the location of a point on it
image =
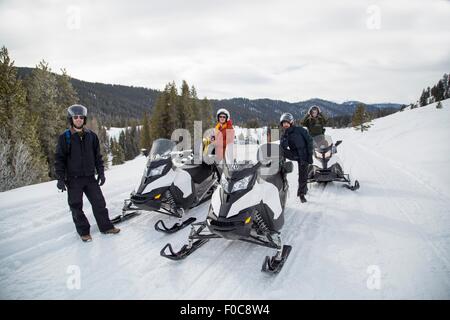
(322, 143)
(238, 176)
(161, 149)
(238, 159)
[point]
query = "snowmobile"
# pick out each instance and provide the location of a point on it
(248, 205)
(171, 184)
(326, 166)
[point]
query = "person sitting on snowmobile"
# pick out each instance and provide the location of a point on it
(77, 159)
(223, 133)
(315, 121)
(297, 145)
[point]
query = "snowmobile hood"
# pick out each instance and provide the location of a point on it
(153, 165)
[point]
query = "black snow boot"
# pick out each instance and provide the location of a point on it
(302, 198)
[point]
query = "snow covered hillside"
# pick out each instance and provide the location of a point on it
(388, 240)
(114, 133)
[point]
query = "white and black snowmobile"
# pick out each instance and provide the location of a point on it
(248, 205)
(171, 184)
(326, 165)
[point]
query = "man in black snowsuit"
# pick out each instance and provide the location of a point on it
(77, 160)
(297, 145)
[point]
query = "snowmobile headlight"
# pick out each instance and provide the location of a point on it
(241, 184)
(238, 185)
(318, 154)
(156, 171)
(328, 154)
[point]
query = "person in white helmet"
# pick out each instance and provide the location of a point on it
(223, 133)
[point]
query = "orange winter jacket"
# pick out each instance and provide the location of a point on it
(224, 135)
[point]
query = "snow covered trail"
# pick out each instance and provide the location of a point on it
(397, 224)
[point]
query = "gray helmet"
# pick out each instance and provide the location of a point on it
(287, 117)
(76, 110)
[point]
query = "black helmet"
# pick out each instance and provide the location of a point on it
(76, 110)
(286, 117)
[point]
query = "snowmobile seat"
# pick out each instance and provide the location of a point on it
(198, 172)
(271, 153)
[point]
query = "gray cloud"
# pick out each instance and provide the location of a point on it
(290, 50)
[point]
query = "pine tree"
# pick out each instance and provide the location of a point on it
(206, 114)
(173, 109)
(95, 126)
(122, 143)
(127, 144)
(66, 95)
(43, 103)
(446, 82)
(440, 91)
(186, 118)
(423, 99)
(165, 117)
(134, 140)
(146, 140)
(196, 113)
(361, 118)
(118, 156)
(159, 118)
(21, 156)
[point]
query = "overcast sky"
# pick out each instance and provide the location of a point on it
(373, 51)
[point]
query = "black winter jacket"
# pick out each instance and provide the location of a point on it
(81, 159)
(297, 144)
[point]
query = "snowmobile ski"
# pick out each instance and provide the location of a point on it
(160, 226)
(353, 187)
(272, 264)
(124, 217)
(186, 250)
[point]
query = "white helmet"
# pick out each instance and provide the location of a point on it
(222, 111)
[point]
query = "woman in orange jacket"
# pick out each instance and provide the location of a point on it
(223, 133)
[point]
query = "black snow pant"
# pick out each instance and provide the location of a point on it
(89, 186)
(302, 177)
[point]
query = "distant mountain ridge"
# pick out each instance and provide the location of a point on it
(115, 103)
(266, 110)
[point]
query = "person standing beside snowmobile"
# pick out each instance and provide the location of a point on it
(315, 121)
(297, 145)
(223, 133)
(77, 159)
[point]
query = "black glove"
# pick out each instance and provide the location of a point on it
(61, 185)
(101, 179)
(323, 130)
